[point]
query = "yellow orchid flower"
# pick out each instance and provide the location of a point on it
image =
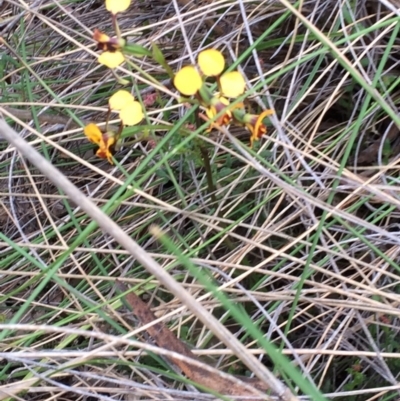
(103, 140)
(130, 111)
(104, 151)
(131, 114)
(255, 124)
(217, 104)
(211, 62)
(188, 80)
(117, 6)
(100, 37)
(105, 43)
(232, 84)
(120, 99)
(93, 133)
(111, 59)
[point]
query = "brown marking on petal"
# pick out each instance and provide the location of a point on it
(104, 42)
(259, 125)
(226, 119)
(262, 130)
(102, 153)
(100, 37)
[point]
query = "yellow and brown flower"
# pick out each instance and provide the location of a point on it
(256, 125)
(216, 106)
(105, 43)
(104, 140)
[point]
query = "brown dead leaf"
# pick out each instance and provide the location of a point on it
(222, 383)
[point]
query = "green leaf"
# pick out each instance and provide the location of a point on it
(136, 50)
(158, 56)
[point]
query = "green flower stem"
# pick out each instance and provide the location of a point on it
(211, 189)
(116, 27)
(204, 95)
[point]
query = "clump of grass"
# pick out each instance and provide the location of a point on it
(291, 244)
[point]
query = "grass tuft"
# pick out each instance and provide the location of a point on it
(291, 245)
